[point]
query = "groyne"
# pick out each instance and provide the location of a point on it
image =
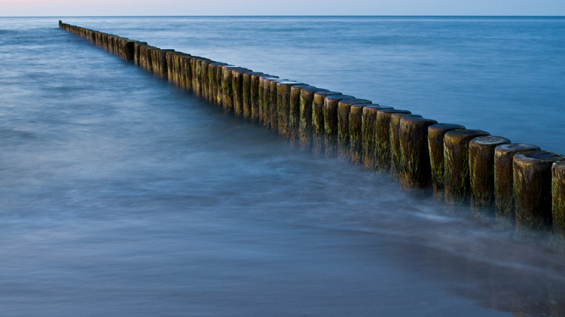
(516, 183)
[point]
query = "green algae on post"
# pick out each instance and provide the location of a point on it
(481, 170)
(369, 135)
(283, 106)
(331, 122)
(456, 163)
(504, 180)
(415, 169)
(343, 136)
(305, 125)
(248, 92)
(294, 112)
(382, 139)
(395, 156)
(318, 126)
(436, 133)
(558, 198)
(532, 189)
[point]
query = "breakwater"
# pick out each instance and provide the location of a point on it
(335, 124)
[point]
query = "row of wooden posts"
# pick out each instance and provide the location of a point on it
(517, 181)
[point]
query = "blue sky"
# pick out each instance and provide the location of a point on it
(279, 7)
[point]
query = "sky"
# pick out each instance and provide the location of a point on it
(279, 7)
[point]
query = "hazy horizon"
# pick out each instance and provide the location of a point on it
(42, 8)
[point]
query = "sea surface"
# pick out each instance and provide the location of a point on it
(122, 195)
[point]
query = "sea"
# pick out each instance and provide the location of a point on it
(123, 195)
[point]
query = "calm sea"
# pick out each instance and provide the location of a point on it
(124, 196)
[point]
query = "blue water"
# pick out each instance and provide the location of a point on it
(122, 195)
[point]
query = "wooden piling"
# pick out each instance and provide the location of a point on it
(248, 91)
(415, 168)
(382, 141)
(318, 127)
(558, 199)
(436, 133)
(481, 170)
(255, 95)
(504, 180)
(283, 106)
(369, 136)
(265, 97)
(395, 155)
(343, 135)
(294, 112)
(532, 189)
(331, 123)
(456, 163)
(237, 88)
(306, 106)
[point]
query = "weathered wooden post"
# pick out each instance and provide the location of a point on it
(415, 169)
(306, 106)
(343, 128)
(456, 163)
(436, 133)
(294, 112)
(283, 106)
(558, 199)
(369, 135)
(318, 126)
(532, 189)
(481, 170)
(237, 87)
(265, 97)
(383, 145)
(256, 94)
(504, 180)
(249, 91)
(395, 156)
(331, 122)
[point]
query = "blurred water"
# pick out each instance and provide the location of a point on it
(122, 195)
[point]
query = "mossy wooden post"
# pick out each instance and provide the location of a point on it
(283, 106)
(395, 156)
(214, 77)
(369, 135)
(265, 97)
(436, 133)
(504, 180)
(306, 105)
(318, 126)
(481, 170)
(343, 136)
(532, 189)
(331, 123)
(382, 140)
(558, 199)
(294, 112)
(248, 91)
(136, 53)
(227, 92)
(273, 108)
(255, 95)
(356, 133)
(415, 168)
(456, 163)
(237, 88)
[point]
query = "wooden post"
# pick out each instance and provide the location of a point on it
(415, 169)
(395, 155)
(283, 106)
(456, 163)
(558, 199)
(331, 123)
(306, 106)
(504, 181)
(318, 119)
(383, 145)
(532, 189)
(481, 170)
(436, 133)
(343, 128)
